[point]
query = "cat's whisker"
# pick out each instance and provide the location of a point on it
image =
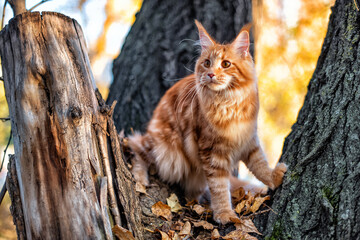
(183, 96)
(190, 40)
(183, 99)
(188, 69)
(171, 79)
(191, 107)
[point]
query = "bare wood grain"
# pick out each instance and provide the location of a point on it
(50, 91)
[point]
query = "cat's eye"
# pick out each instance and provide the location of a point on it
(207, 63)
(225, 64)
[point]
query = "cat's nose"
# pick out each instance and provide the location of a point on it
(211, 75)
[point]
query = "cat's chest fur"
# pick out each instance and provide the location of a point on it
(234, 118)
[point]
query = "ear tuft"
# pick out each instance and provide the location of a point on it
(242, 42)
(205, 40)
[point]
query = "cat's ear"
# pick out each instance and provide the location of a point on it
(242, 42)
(205, 40)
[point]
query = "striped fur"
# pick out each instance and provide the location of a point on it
(205, 124)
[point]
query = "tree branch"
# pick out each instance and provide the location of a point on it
(2, 193)
(18, 6)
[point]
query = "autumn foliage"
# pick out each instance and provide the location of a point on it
(185, 221)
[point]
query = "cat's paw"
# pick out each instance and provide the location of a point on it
(278, 174)
(224, 217)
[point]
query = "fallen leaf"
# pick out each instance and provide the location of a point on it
(191, 203)
(249, 197)
(149, 230)
(238, 194)
(235, 220)
(215, 234)
(239, 235)
(140, 188)
(177, 225)
(199, 209)
(186, 229)
(160, 209)
(122, 233)
(247, 206)
(257, 203)
(176, 237)
(171, 234)
(206, 225)
(246, 225)
(164, 236)
(173, 202)
(240, 207)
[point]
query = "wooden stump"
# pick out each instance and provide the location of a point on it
(60, 139)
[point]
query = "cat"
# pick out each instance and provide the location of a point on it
(205, 124)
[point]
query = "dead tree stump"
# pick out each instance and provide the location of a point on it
(62, 145)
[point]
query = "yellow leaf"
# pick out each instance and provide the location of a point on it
(235, 220)
(206, 225)
(186, 229)
(140, 188)
(199, 209)
(246, 225)
(239, 235)
(122, 233)
(238, 194)
(258, 202)
(176, 237)
(164, 236)
(173, 202)
(215, 234)
(162, 210)
(240, 206)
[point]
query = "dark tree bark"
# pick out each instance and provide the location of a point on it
(319, 198)
(159, 50)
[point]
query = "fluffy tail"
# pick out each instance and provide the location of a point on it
(141, 161)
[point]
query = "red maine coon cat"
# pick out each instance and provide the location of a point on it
(205, 124)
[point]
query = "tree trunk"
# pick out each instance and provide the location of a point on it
(319, 198)
(159, 50)
(67, 157)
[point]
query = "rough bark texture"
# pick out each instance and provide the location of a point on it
(12, 185)
(319, 198)
(159, 50)
(63, 154)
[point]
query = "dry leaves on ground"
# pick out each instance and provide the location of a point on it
(122, 233)
(193, 218)
(239, 235)
(161, 209)
(173, 203)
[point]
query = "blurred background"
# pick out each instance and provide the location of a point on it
(288, 40)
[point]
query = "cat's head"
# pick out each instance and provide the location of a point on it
(224, 67)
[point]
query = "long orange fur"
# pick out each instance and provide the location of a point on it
(205, 124)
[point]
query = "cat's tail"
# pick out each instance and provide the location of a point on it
(140, 163)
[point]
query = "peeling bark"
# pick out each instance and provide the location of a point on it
(319, 198)
(12, 186)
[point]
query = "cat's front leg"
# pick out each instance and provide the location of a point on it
(259, 166)
(218, 180)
